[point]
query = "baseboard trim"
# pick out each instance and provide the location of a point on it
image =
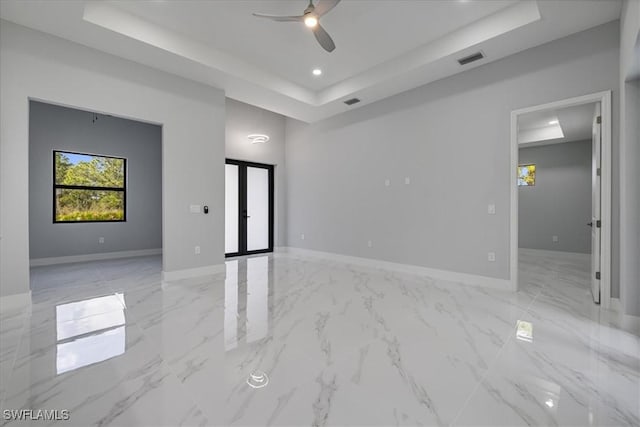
(36, 262)
(452, 276)
(15, 302)
(616, 306)
(552, 253)
(168, 276)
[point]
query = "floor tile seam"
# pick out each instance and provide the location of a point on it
(491, 368)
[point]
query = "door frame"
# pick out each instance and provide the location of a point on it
(605, 182)
(242, 203)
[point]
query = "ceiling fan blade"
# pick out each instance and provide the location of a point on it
(324, 38)
(324, 6)
(280, 18)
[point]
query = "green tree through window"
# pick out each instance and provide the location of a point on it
(88, 188)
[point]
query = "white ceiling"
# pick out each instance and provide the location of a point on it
(363, 30)
(573, 124)
(383, 46)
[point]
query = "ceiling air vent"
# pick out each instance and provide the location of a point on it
(352, 101)
(471, 58)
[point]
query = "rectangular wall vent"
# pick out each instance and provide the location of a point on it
(471, 58)
(352, 101)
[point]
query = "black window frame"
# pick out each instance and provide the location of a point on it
(56, 186)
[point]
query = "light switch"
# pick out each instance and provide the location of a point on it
(387, 182)
(491, 210)
(407, 180)
(195, 209)
(555, 239)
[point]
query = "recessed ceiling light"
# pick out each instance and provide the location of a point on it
(317, 71)
(553, 122)
(310, 21)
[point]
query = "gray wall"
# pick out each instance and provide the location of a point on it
(58, 128)
(630, 157)
(560, 202)
(451, 138)
(244, 119)
(630, 203)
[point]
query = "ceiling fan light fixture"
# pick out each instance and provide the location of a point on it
(311, 18)
(258, 138)
(311, 21)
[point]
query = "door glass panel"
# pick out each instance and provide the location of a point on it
(231, 209)
(257, 208)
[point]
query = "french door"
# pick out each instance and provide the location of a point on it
(248, 208)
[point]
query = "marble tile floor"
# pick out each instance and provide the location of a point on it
(341, 345)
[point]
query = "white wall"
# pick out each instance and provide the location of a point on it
(40, 66)
(630, 158)
(451, 138)
(629, 43)
(244, 119)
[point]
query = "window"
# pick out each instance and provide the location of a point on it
(526, 175)
(88, 188)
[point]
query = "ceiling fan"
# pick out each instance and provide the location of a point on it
(311, 17)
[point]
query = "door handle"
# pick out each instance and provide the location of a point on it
(590, 224)
(247, 216)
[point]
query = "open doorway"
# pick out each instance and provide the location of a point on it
(95, 188)
(561, 198)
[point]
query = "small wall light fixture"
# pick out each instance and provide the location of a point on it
(258, 138)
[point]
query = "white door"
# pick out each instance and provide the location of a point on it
(258, 207)
(595, 204)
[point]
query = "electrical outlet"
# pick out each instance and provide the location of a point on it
(101, 240)
(370, 243)
(197, 250)
(491, 209)
(491, 256)
(302, 236)
(555, 239)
